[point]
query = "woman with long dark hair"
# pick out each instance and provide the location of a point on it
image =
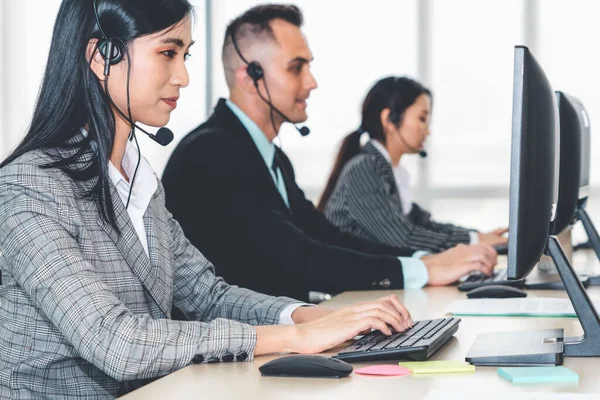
(91, 261)
(368, 192)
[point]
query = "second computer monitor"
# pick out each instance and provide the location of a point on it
(571, 162)
(534, 164)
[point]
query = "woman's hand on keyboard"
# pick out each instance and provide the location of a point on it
(344, 324)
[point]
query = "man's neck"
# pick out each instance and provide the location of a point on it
(259, 115)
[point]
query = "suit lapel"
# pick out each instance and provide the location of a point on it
(383, 167)
(152, 273)
(158, 232)
(232, 124)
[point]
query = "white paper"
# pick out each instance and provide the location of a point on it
(509, 395)
(528, 306)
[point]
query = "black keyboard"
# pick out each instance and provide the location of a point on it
(417, 344)
(477, 279)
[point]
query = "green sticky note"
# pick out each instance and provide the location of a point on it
(538, 374)
(437, 367)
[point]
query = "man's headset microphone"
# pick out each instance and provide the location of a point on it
(112, 51)
(256, 73)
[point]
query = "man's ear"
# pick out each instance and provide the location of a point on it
(243, 80)
(95, 59)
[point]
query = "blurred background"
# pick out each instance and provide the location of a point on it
(461, 49)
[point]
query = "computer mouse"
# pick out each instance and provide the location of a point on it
(495, 292)
(501, 249)
(306, 366)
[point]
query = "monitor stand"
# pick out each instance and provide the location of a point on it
(593, 238)
(587, 345)
(494, 349)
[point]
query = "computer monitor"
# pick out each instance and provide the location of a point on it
(571, 162)
(574, 176)
(534, 165)
(533, 200)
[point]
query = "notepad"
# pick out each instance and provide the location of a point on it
(525, 307)
(383, 370)
(437, 367)
(538, 374)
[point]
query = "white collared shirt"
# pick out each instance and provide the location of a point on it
(144, 186)
(402, 178)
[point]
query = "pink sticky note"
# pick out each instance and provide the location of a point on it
(383, 370)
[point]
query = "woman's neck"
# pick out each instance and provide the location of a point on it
(395, 155)
(122, 130)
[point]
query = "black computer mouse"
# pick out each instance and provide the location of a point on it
(306, 366)
(501, 249)
(495, 292)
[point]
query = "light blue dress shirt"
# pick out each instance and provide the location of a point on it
(265, 148)
(414, 270)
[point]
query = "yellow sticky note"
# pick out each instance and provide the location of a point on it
(437, 367)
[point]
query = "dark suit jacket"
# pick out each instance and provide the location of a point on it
(220, 190)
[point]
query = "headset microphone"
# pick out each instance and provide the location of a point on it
(163, 136)
(112, 54)
(422, 153)
(256, 73)
(304, 131)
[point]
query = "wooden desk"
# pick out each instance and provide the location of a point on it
(243, 380)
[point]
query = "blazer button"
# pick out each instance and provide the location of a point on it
(198, 359)
(385, 283)
(213, 360)
(228, 357)
(241, 356)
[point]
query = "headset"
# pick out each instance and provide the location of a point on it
(421, 152)
(256, 73)
(112, 51)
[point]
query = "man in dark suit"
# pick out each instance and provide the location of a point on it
(234, 192)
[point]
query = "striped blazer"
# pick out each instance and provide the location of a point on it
(366, 202)
(85, 312)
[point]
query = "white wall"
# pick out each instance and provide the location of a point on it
(26, 34)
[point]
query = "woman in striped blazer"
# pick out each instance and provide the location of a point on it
(368, 192)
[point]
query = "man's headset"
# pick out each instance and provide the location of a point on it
(256, 73)
(111, 51)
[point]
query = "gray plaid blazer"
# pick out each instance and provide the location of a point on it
(366, 203)
(84, 312)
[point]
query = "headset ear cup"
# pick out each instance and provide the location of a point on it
(116, 54)
(255, 71)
